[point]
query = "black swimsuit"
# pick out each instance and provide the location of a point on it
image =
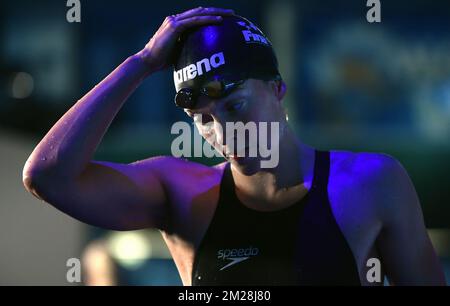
(298, 245)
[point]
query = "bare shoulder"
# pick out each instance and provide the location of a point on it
(181, 179)
(364, 163)
(367, 167)
(191, 189)
(378, 178)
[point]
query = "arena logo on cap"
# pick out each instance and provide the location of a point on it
(193, 70)
(251, 37)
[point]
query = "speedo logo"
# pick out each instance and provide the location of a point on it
(202, 66)
(236, 255)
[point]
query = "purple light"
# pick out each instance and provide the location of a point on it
(210, 36)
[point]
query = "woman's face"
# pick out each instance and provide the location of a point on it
(240, 123)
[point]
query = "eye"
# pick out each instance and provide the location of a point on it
(235, 106)
(202, 118)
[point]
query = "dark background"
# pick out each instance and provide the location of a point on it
(352, 85)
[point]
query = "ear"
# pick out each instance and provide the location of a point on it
(278, 88)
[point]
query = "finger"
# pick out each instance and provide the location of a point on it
(189, 13)
(197, 21)
(202, 11)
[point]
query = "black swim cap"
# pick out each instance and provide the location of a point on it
(234, 49)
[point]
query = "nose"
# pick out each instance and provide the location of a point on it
(219, 128)
(228, 140)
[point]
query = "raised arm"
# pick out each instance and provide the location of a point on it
(61, 171)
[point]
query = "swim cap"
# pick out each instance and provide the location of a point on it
(234, 49)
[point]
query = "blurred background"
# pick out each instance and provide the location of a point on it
(352, 85)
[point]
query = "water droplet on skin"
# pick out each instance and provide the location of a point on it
(51, 147)
(44, 158)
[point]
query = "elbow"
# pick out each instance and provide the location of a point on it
(34, 181)
(31, 182)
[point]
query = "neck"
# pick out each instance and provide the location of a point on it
(293, 172)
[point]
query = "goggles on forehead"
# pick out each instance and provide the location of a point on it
(187, 97)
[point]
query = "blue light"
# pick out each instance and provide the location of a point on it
(210, 36)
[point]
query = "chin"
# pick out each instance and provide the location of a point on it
(247, 165)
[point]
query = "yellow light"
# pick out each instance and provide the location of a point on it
(131, 249)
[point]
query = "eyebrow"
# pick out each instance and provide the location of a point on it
(225, 100)
(240, 92)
